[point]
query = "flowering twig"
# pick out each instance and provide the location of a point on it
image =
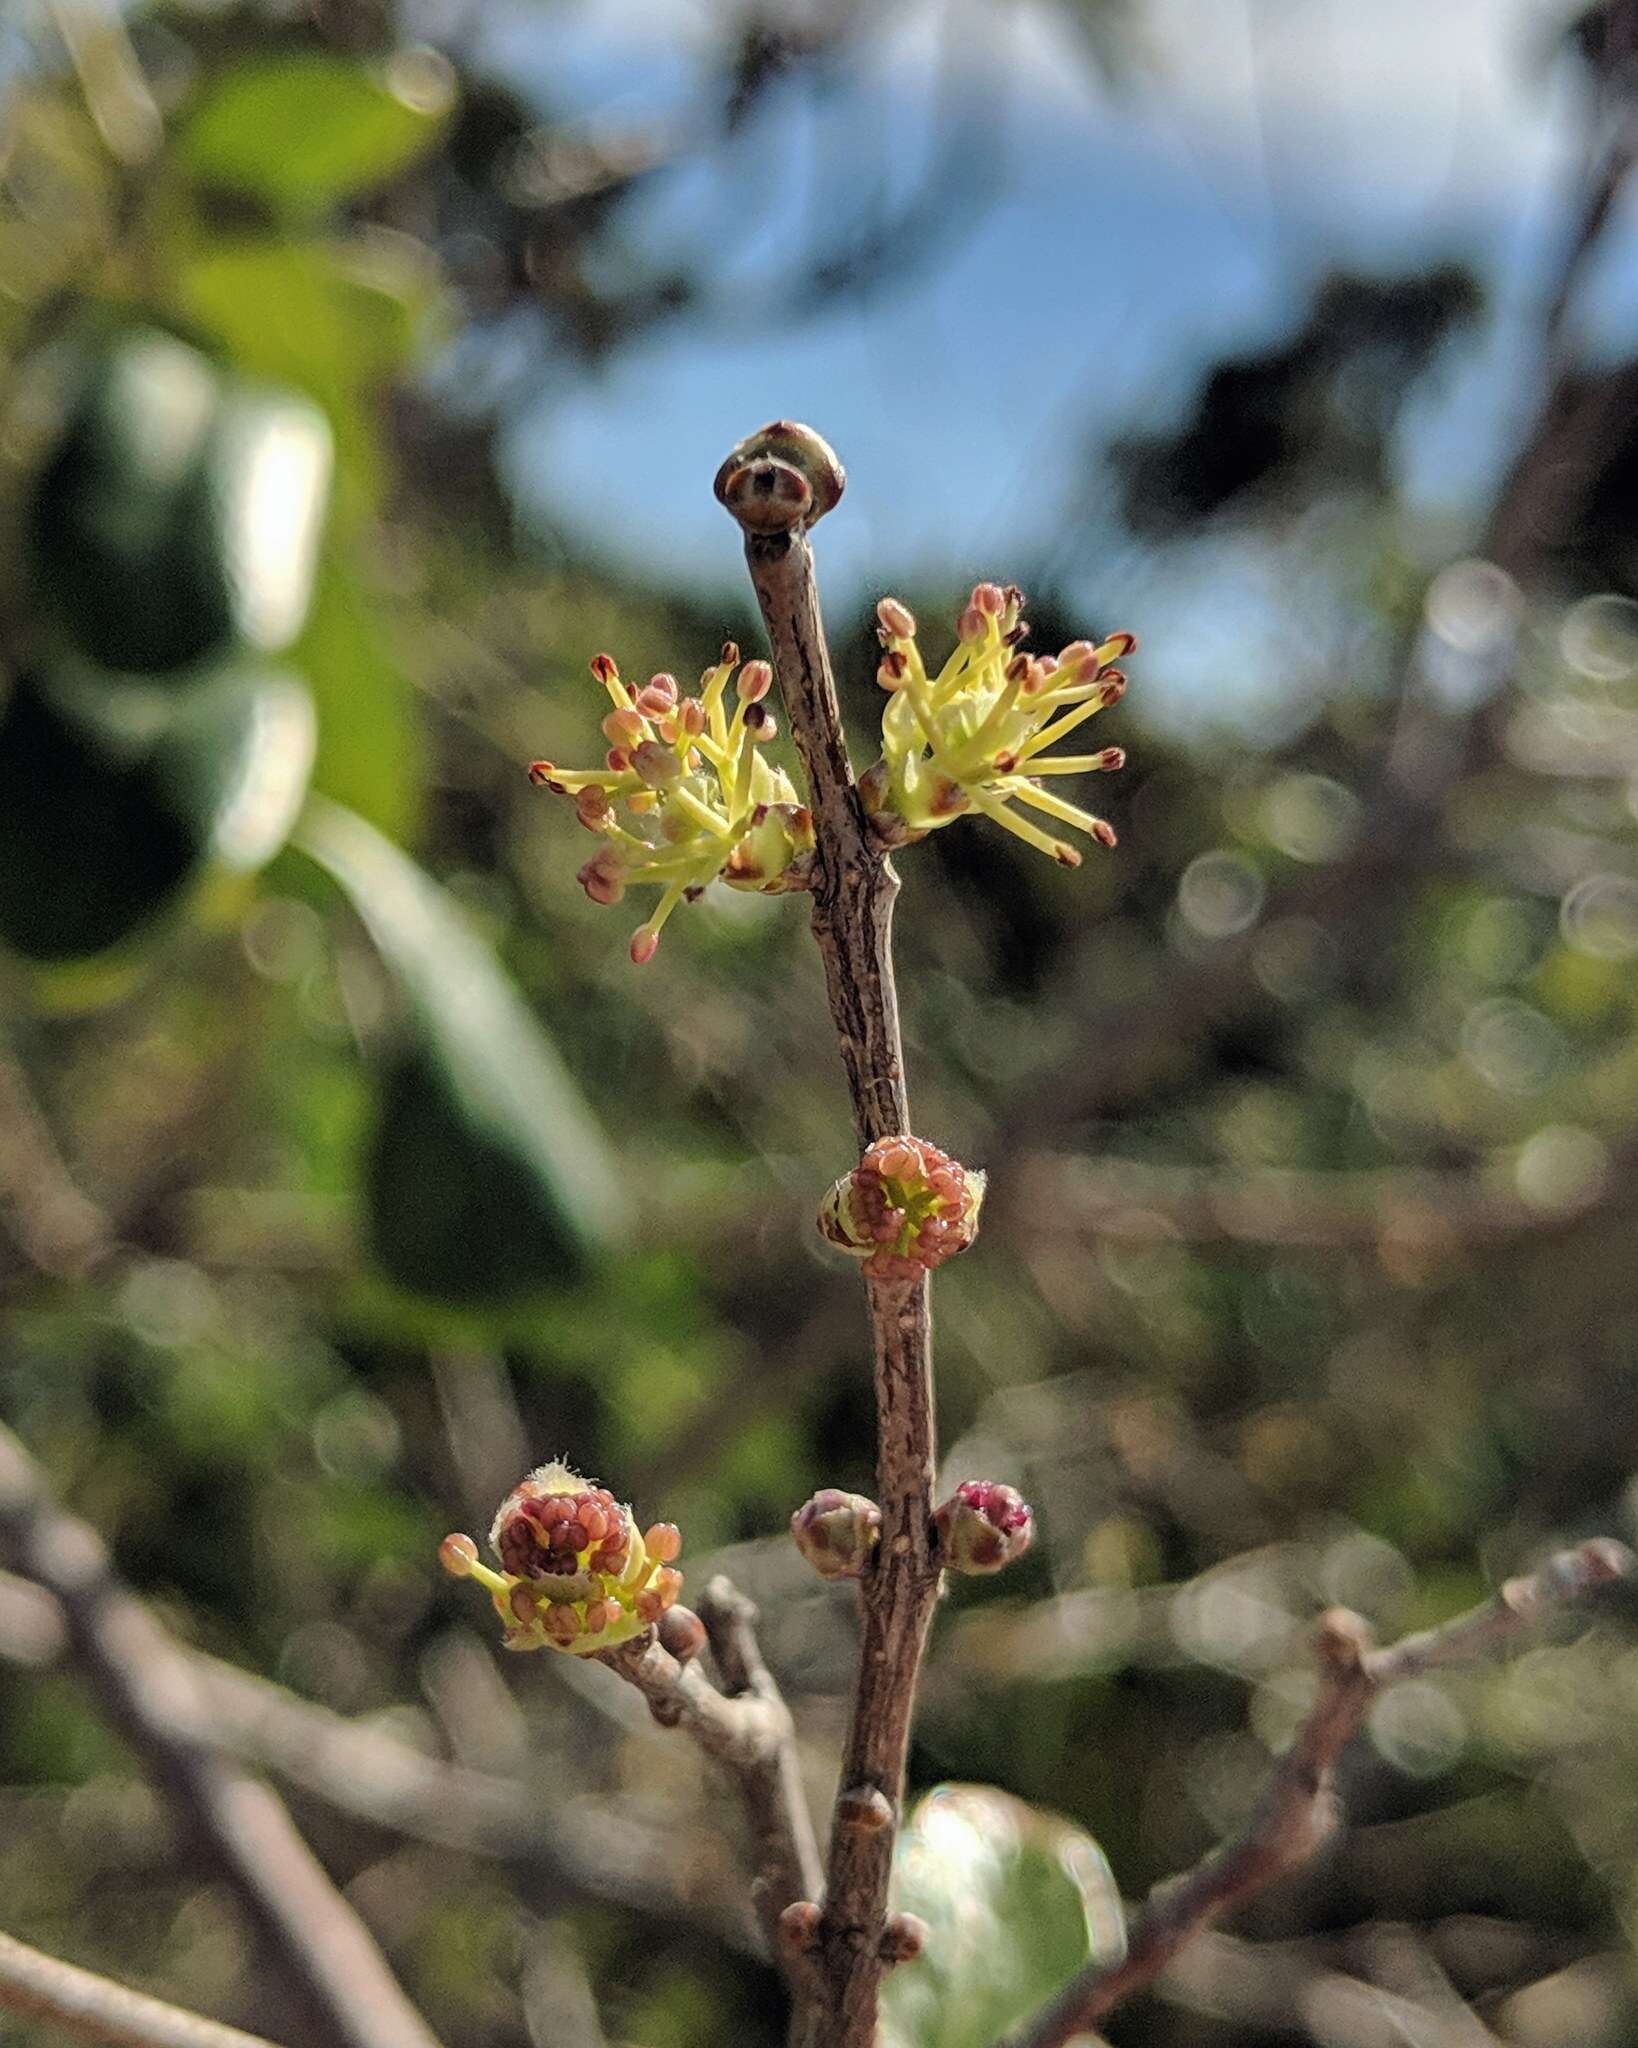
(40, 1987)
(1299, 1808)
(775, 497)
(148, 1689)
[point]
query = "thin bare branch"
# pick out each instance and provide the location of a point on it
(59, 1231)
(854, 888)
(149, 1691)
(39, 1987)
(1299, 1808)
(747, 1729)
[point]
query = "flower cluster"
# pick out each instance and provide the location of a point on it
(702, 803)
(904, 1209)
(575, 1575)
(973, 737)
(983, 1526)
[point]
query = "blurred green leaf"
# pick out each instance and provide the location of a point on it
(303, 132)
(338, 326)
(177, 513)
(488, 1177)
(1016, 1902)
(113, 803)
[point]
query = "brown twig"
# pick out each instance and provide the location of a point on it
(1299, 1808)
(42, 1988)
(60, 1232)
(748, 1729)
(148, 1688)
(775, 486)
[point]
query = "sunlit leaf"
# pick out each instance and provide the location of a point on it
(1015, 1900)
(488, 1177)
(113, 803)
(179, 511)
(338, 327)
(306, 131)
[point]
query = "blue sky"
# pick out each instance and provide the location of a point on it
(1127, 234)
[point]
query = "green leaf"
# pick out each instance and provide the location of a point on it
(337, 325)
(488, 1178)
(178, 513)
(302, 133)
(1016, 1901)
(114, 803)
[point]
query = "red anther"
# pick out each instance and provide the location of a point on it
(644, 945)
(1104, 832)
(602, 666)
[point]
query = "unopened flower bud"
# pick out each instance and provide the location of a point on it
(623, 728)
(799, 1927)
(898, 622)
(990, 599)
(904, 1209)
(657, 765)
(682, 1633)
(755, 681)
(645, 943)
(982, 1527)
(905, 1935)
(457, 1554)
(837, 1532)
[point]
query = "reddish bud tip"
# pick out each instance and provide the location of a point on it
(972, 625)
(1112, 757)
(836, 1532)
(602, 666)
(982, 1527)
(799, 1927)
(682, 1633)
(729, 656)
(1114, 688)
(990, 599)
(457, 1554)
(644, 945)
(540, 772)
(865, 1808)
(897, 621)
(1064, 854)
(755, 681)
(760, 722)
(663, 1542)
(903, 1938)
(1103, 832)
(622, 728)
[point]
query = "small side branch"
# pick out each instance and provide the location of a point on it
(748, 1730)
(775, 485)
(148, 1688)
(39, 1987)
(1300, 1809)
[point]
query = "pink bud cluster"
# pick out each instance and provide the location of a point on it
(983, 1526)
(904, 1209)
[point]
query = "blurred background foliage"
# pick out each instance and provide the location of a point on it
(363, 367)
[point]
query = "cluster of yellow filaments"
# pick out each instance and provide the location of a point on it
(974, 736)
(703, 802)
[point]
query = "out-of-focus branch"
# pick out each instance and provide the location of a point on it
(57, 1229)
(359, 1768)
(148, 1688)
(39, 1987)
(1378, 1211)
(1299, 1808)
(748, 1730)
